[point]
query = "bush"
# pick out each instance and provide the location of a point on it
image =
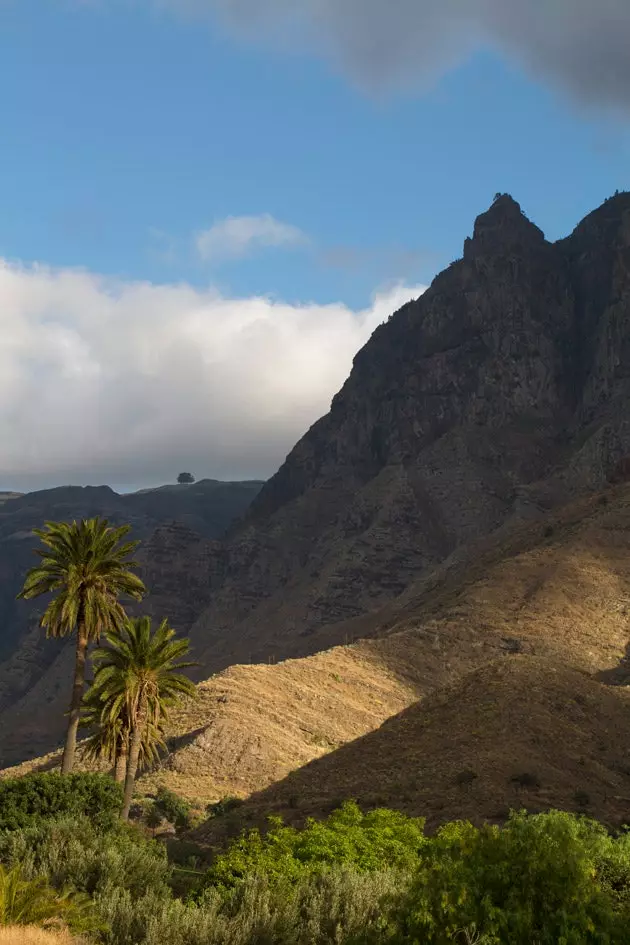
(173, 808)
(223, 807)
(24, 801)
(33, 902)
(350, 838)
(73, 851)
(539, 879)
(327, 909)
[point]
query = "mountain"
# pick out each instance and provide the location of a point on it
(475, 415)
(201, 512)
(500, 393)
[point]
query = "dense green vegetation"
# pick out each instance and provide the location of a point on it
(356, 878)
(27, 800)
(349, 838)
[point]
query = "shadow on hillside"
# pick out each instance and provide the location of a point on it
(176, 743)
(518, 734)
(618, 675)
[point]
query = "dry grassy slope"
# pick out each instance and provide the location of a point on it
(518, 732)
(251, 725)
(558, 588)
(32, 935)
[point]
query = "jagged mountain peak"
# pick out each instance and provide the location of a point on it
(503, 228)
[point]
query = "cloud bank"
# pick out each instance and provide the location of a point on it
(236, 237)
(126, 383)
(581, 45)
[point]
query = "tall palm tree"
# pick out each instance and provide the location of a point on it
(86, 566)
(139, 672)
(109, 740)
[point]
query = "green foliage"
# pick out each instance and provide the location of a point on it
(185, 478)
(223, 807)
(33, 902)
(24, 801)
(535, 880)
(173, 808)
(326, 909)
(74, 852)
(353, 879)
(366, 842)
(86, 566)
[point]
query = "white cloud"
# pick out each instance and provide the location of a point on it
(235, 237)
(127, 382)
(582, 45)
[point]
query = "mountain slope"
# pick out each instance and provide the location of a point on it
(516, 733)
(487, 664)
(499, 395)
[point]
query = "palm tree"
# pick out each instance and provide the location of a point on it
(87, 565)
(109, 740)
(139, 673)
(33, 902)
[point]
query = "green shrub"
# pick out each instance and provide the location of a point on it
(73, 851)
(24, 801)
(173, 808)
(223, 807)
(539, 879)
(367, 842)
(326, 909)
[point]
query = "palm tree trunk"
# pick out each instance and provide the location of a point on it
(78, 686)
(120, 768)
(132, 767)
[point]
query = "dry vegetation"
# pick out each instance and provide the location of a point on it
(28, 935)
(516, 733)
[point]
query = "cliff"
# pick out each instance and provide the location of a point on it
(498, 394)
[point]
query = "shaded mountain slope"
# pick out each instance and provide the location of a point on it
(499, 394)
(516, 733)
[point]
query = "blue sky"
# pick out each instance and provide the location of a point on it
(127, 132)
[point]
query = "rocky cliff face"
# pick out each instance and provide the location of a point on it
(500, 392)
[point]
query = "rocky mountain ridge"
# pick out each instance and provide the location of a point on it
(500, 393)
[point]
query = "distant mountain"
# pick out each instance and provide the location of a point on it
(201, 511)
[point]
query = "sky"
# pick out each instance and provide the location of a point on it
(207, 206)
